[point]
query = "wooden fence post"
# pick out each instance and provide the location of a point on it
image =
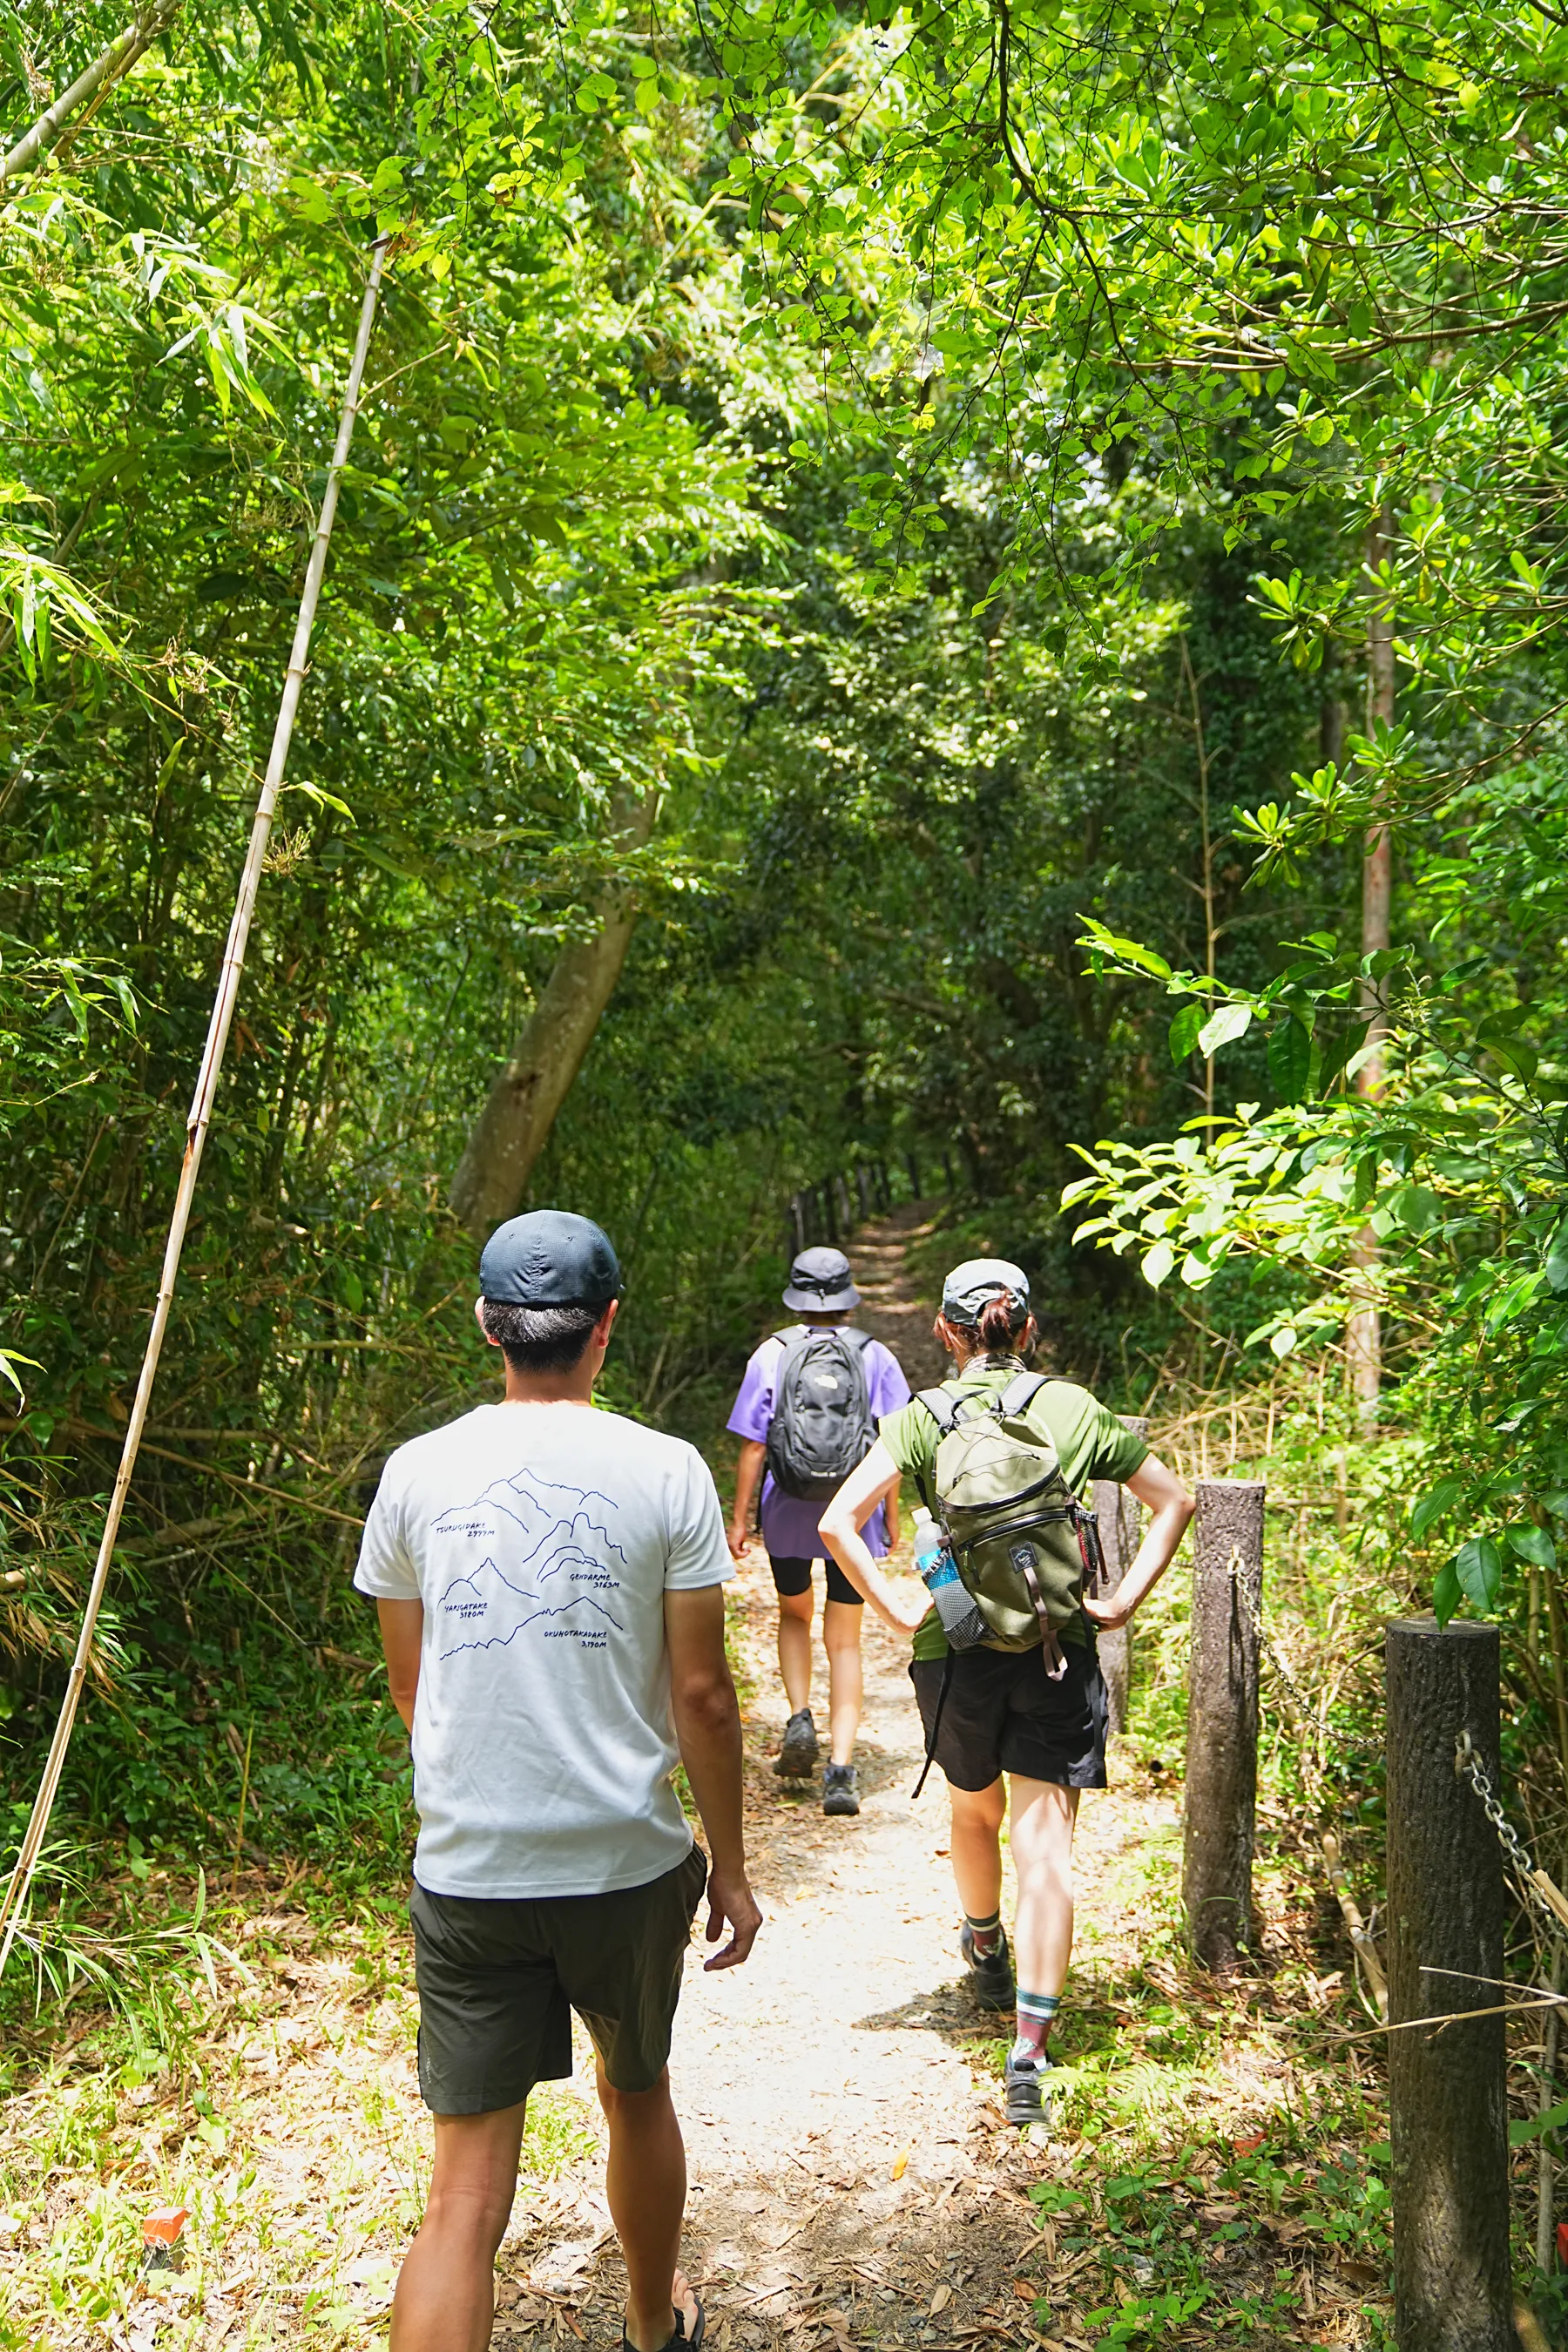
(1446, 1915)
(1222, 1719)
(1120, 1522)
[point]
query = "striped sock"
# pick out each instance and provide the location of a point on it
(985, 1935)
(1037, 2015)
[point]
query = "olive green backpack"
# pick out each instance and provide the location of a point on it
(1020, 1539)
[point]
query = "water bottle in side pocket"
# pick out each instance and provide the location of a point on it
(961, 1620)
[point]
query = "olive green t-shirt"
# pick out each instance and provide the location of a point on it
(1090, 1443)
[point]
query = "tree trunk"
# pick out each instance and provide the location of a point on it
(1448, 2109)
(1364, 1332)
(513, 1128)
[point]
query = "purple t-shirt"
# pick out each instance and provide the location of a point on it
(789, 1522)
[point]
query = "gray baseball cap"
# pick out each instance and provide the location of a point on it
(973, 1285)
(550, 1258)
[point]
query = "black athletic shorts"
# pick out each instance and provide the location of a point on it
(794, 1576)
(499, 1981)
(1004, 1714)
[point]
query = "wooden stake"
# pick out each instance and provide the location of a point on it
(1221, 1796)
(1118, 1516)
(14, 1902)
(1546, 2176)
(1449, 2112)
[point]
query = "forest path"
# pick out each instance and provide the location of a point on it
(837, 2094)
(853, 2183)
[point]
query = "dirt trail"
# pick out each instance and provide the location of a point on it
(836, 2093)
(852, 2181)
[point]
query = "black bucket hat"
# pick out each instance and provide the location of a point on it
(820, 1283)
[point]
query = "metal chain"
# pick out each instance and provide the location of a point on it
(1468, 1766)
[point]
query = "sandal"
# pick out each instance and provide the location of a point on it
(699, 2329)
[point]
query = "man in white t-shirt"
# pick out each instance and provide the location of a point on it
(550, 1584)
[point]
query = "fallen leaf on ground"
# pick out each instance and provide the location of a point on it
(900, 2162)
(941, 2299)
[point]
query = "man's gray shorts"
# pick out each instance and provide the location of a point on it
(498, 1983)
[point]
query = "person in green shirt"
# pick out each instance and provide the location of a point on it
(1014, 1742)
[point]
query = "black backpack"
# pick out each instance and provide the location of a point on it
(822, 1426)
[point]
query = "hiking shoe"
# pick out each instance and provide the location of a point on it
(796, 1759)
(990, 1973)
(839, 1794)
(1026, 2089)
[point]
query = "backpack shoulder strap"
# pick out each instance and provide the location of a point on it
(941, 1406)
(852, 1337)
(1019, 1394)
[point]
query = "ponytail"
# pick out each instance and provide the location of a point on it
(1000, 1323)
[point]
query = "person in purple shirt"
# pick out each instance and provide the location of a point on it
(821, 1292)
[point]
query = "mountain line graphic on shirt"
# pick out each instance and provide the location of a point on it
(564, 1543)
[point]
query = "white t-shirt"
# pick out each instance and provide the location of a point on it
(541, 1539)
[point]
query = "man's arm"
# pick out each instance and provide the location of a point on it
(748, 1472)
(708, 1728)
(1163, 1494)
(401, 1637)
(876, 1481)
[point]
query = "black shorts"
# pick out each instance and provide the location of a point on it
(499, 1981)
(1004, 1714)
(792, 1577)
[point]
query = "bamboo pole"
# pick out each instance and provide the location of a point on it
(117, 58)
(13, 1904)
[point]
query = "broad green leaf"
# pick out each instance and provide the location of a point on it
(1445, 1593)
(1417, 1208)
(1290, 1060)
(1557, 1260)
(1478, 1564)
(1185, 1030)
(1439, 1500)
(1158, 1263)
(1232, 1021)
(1534, 1545)
(1532, 2126)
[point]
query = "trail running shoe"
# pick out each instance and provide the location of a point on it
(1026, 2089)
(839, 1794)
(796, 1759)
(990, 1973)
